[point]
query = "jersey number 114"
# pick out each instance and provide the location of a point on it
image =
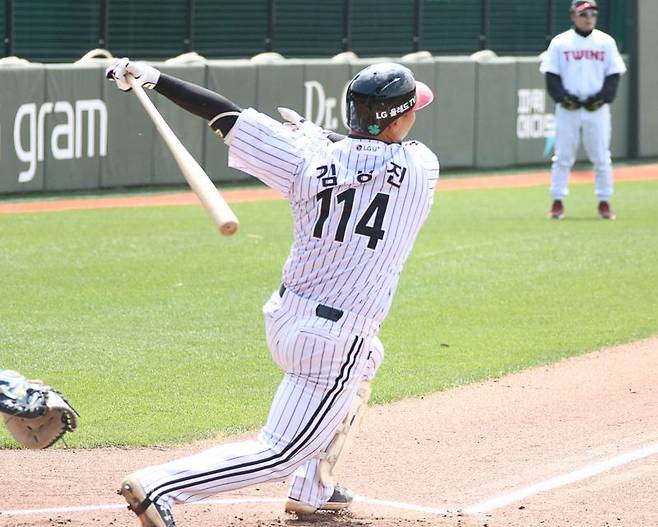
(369, 224)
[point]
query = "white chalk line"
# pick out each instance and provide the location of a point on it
(56, 510)
(404, 506)
(489, 505)
(563, 480)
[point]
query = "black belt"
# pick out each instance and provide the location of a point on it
(322, 311)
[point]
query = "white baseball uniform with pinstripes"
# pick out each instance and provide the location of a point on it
(358, 205)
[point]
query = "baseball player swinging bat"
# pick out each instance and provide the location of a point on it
(365, 222)
(215, 205)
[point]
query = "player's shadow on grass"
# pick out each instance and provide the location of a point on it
(592, 219)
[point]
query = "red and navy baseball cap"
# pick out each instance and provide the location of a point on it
(578, 6)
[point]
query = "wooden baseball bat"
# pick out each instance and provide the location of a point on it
(215, 205)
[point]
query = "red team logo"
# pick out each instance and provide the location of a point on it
(584, 54)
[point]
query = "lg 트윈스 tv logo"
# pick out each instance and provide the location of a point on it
(66, 138)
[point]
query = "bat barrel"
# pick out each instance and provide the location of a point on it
(215, 205)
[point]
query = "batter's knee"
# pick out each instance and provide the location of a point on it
(345, 434)
(375, 358)
(285, 457)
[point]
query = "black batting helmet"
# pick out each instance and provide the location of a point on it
(581, 5)
(381, 93)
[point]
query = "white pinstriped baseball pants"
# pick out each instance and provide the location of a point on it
(324, 362)
(596, 131)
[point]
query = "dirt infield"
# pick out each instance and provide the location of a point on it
(572, 444)
(630, 173)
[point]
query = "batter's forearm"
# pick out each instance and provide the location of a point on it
(200, 101)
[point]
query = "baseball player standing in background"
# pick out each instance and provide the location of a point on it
(358, 203)
(582, 67)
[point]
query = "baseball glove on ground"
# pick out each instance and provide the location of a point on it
(36, 415)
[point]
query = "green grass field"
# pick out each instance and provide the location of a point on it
(150, 321)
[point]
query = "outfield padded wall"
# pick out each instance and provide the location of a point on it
(74, 131)
(324, 93)
(647, 78)
(495, 112)
(279, 84)
(621, 121)
(187, 127)
(23, 94)
(425, 127)
(534, 113)
(238, 81)
(78, 132)
(455, 88)
(129, 160)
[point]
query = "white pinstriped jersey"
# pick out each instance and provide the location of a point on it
(358, 205)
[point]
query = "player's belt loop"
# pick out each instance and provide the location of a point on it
(322, 311)
(330, 313)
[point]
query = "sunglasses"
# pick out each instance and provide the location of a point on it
(589, 13)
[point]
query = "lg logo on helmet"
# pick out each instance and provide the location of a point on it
(397, 110)
(66, 138)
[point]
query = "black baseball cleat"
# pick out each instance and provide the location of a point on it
(557, 210)
(605, 212)
(148, 513)
(340, 500)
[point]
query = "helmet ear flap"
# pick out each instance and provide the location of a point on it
(363, 116)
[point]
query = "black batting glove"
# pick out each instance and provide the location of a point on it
(570, 102)
(593, 103)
